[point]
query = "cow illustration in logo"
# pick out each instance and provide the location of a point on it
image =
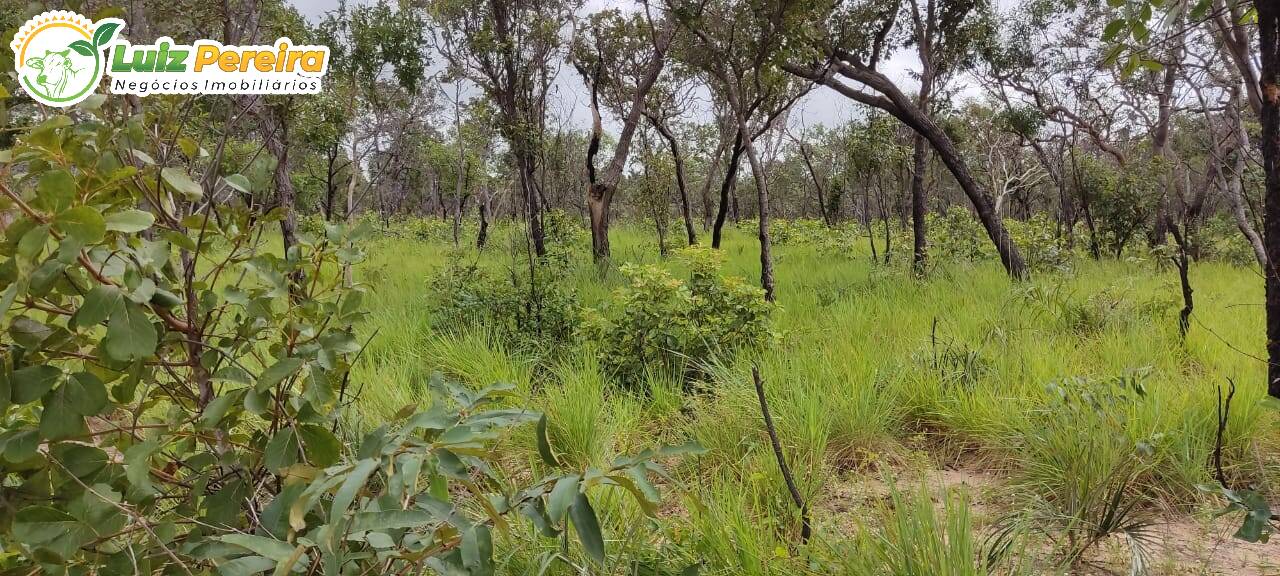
(59, 55)
(56, 71)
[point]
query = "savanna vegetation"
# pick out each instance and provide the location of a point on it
(556, 288)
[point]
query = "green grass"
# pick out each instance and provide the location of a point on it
(874, 367)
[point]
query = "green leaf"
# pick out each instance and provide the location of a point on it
(32, 382)
(87, 394)
(281, 451)
(82, 47)
(104, 33)
(50, 529)
(544, 444)
(137, 466)
(282, 369)
(28, 333)
(56, 189)
(82, 223)
(391, 520)
(477, 550)
(181, 183)
(59, 419)
(562, 495)
(239, 182)
(246, 566)
(97, 306)
(276, 550)
(588, 527)
(351, 486)
(321, 447)
(31, 245)
(1113, 28)
(130, 335)
(129, 221)
(217, 409)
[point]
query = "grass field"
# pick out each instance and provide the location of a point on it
(921, 417)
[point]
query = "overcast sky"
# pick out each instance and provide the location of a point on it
(820, 106)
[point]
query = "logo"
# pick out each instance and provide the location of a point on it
(61, 57)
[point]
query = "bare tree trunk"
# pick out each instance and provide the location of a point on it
(726, 187)
(762, 198)
(919, 206)
(678, 158)
(1234, 187)
(1269, 41)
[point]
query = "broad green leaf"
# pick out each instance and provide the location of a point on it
(137, 466)
(87, 394)
(351, 486)
(321, 447)
(391, 520)
(32, 382)
(129, 221)
(283, 368)
(181, 183)
(276, 550)
(50, 529)
(246, 566)
(59, 419)
(28, 333)
(82, 223)
(477, 550)
(130, 335)
(561, 498)
(281, 451)
(588, 527)
(55, 190)
(97, 306)
(104, 33)
(239, 182)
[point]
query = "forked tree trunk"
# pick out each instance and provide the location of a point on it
(726, 188)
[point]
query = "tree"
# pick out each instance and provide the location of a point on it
(831, 54)
(508, 48)
(740, 51)
(610, 45)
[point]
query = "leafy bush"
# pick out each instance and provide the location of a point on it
(536, 313)
(956, 234)
(1038, 240)
(171, 389)
(658, 321)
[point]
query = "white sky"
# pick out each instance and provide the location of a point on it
(820, 106)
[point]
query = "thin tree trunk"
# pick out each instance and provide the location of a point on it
(726, 187)
(762, 199)
(678, 158)
(919, 206)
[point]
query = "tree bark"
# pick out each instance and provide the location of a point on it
(726, 187)
(919, 206)
(1269, 88)
(762, 199)
(678, 158)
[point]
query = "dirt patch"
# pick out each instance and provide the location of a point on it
(1182, 546)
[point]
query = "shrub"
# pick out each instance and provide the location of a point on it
(172, 390)
(658, 321)
(535, 313)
